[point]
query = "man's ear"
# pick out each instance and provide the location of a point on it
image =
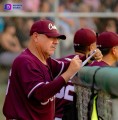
(113, 50)
(35, 37)
(92, 47)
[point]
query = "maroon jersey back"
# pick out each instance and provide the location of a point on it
(65, 95)
(20, 102)
(98, 63)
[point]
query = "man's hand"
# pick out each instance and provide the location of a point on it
(98, 55)
(74, 67)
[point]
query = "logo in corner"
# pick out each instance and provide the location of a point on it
(7, 6)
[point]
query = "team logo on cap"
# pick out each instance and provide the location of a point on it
(51, 27)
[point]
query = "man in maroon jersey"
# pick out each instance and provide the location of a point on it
(108, 44)
(35, 77)
(84, 42)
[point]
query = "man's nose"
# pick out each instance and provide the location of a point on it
(56, 41)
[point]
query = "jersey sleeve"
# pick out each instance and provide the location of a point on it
(58, 67)
(49, 90)
(34, 85)
(30, 77)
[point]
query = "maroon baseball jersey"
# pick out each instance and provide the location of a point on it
(98, 63)
(31, 88)
(65, 95)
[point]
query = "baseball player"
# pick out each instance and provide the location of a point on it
(108, 44)
(84, 43)
(35, 77)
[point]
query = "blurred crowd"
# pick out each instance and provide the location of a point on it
(14, 31)
(69, 5)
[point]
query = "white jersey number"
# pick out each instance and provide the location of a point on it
(64, 93)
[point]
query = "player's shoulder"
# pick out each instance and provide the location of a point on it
(69, 57)
(98, 63)
(51, 60)
(24, 57)
(66, 58)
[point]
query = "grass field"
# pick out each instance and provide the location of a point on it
(3, 84)
(2, 96)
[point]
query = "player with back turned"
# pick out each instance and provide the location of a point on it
(84, 43)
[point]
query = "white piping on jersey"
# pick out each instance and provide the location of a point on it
(60, 70)
(68, 59)
(34, 88)
(56, 118)
(44, 103)
(50, 99)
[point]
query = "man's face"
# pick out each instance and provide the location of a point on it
(46, 45)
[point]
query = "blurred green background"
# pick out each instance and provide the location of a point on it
(3, 84)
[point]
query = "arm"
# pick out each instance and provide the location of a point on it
(60, 81)
(40, 90)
